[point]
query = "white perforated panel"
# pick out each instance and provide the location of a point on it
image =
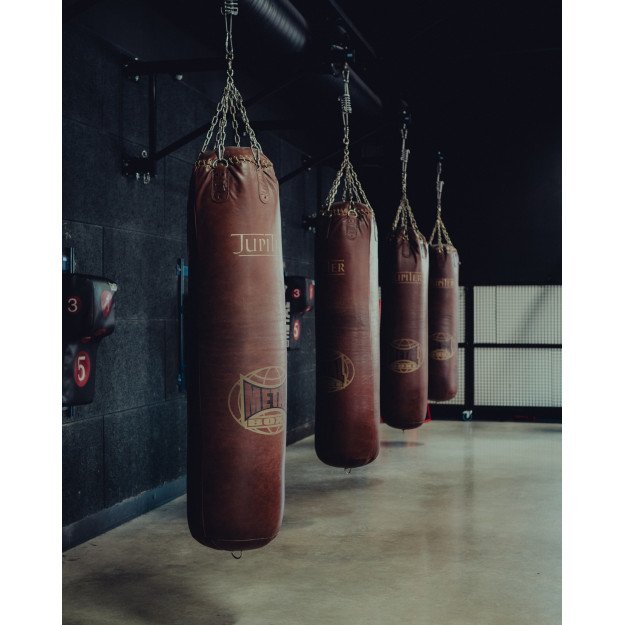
(518, 377)
(518, 314)
(485, 314)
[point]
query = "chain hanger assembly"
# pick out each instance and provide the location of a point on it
(231, 103)
(404, 217)
(439, 227)
(352, 189)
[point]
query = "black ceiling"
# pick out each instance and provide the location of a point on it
(483, 83)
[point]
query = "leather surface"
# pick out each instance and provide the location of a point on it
(404, 370)
(443, 322)
(347, 336)
(236, 347)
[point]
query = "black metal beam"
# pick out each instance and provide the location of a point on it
(520, 345)
(203, 129)
(135, 67)
(318, 160)
(352, 27)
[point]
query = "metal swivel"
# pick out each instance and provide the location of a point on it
(231, 7)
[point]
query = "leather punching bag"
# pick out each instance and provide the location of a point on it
(236, 341)
(347, 334)
(347, 318)
(404, 370)
(405, 330)
(443, 310)
(237, 351)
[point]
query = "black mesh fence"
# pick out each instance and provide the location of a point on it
(510, 349)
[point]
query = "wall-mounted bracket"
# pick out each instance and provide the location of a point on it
(144, 167)
(182, 271)
(310, 222)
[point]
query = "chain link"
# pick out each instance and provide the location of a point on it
(352, 189)
(442, 236)
(231, 103)
(404, 217)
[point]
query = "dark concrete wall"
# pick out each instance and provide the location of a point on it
(133, 437)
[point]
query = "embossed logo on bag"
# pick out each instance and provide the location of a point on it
(257, 401)
(336, 267)
(339, 371)
(444, 345)
(406, 356)
(351, 230)
(254, 245)
(408, 277)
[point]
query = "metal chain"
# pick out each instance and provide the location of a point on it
(439, 227)
(352, 189)
(404, 217)
(404, 162)
(231, 102)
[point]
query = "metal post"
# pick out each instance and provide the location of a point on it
(152, 116)
(469, 349)
(182, 271)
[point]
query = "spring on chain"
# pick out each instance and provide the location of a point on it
(231, 7)
(346, 102)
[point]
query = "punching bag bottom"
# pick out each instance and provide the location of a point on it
(233, 545)
(341, 462)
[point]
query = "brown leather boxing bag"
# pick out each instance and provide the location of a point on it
(443, 310)
(237, 369)
(404, 350)
(347, 318)
(236, 343)
(347, 335)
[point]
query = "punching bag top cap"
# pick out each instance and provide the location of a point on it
(349, 208)
(233, 156)
(444, 247)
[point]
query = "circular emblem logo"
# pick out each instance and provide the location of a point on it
(339, 371)
(106, 301)
(82, 369)
(406, 356)
(443, 345)
(257, 401)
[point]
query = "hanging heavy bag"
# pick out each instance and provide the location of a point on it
(236, 340)
(443, 308)
(404, 371)
(347, 320)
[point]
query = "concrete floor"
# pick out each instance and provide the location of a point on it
(453, 524)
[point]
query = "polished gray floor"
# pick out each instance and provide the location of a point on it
(454, 524)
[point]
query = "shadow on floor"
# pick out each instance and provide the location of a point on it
(400, 444)
(146, 596)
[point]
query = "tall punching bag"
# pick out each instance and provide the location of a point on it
(236, 339)
(347, 320)
(404, 369)
(443, 308)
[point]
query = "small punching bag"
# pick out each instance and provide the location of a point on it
(236, 339)
(443, 308)
(347, 320)
(404, 369)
